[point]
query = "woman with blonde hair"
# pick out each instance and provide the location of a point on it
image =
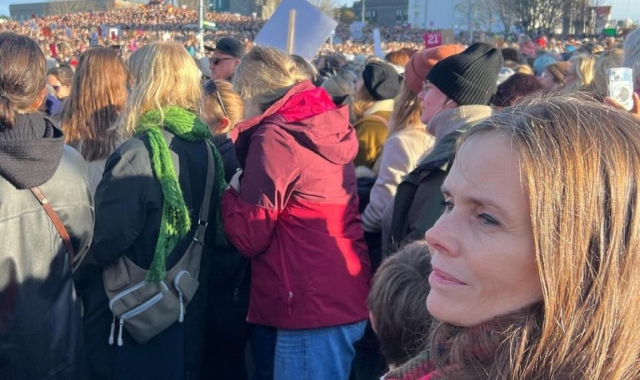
(148, 213)
(227, 331)
(581, 73)
(527, 284)
(97, 97)
(294, 211)
(376, 90)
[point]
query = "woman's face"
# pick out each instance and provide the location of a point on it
(547, 81)
(482, 248)
(61, 90)
(433, 101)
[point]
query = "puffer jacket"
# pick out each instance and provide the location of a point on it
(40, 323)
(296, 214)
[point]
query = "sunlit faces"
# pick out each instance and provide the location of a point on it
(222, 65)
(482, 246)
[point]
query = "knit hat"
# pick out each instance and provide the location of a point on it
(542, 62)
(416, 70)
(381, 80)
(471, 77)
(231, 46)
(557, 70)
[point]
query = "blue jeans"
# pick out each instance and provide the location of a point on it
(316, 354)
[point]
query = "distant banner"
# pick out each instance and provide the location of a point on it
(357, 31)
(312, 28)
(432, 39)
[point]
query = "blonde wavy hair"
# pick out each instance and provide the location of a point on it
(583, 67)
(363, 100)
(98, 95)
(164, 75)
(212, 109)
(406, 112)
(580, 166)
(265, 75)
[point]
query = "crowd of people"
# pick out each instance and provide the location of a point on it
(457, 212)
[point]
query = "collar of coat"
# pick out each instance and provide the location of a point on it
(454, 119)
(380, 106)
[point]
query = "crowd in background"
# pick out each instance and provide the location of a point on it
(257, 215)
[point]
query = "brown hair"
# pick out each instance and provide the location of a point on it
(63, 73)
(22, 76)
(230, 99)
(514, 89)
(397, 301)
(580, 165)
(98, 95)
(406, 111)
(398, 58)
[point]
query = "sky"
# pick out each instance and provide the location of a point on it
(619, 10)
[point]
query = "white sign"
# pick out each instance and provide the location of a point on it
(357, 31)
(377, 43)
(312, 28)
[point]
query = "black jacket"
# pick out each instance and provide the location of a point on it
(128, 213)
(40, 325)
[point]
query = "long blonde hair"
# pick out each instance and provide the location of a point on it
(98, 95)
(164, 75)
(583, 66)
(580, 165)
(406, 112)
(265, 75)
(362, 102)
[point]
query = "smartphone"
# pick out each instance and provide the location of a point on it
(620, 86)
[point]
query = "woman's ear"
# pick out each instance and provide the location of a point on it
(222, 125)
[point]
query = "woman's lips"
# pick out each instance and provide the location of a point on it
(441, 277)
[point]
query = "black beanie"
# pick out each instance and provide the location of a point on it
(471, 77)
(381, 80)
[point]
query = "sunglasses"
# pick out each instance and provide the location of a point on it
(216, 61)
(56, 88)
(210, 88)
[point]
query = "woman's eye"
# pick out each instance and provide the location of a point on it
(447, 206)
(488, 220)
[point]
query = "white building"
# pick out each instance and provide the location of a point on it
(433, 14)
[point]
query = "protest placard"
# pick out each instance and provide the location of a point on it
(312, 28)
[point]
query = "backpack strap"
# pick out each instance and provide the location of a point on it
(55, 219)
(379, 118)
(203, 218)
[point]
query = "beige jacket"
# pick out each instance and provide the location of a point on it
(402, 152)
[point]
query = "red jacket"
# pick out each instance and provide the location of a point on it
(296, 214)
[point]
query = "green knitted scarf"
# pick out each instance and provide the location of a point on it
(176, 222)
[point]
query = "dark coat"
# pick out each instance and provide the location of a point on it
(40, 323)
(296, 214)
(418, 201)
(128, 213)
(227, 332)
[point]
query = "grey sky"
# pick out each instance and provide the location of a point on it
(619, 7)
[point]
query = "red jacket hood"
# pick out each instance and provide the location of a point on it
(308, 114)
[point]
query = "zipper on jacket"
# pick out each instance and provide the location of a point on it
(287, 283)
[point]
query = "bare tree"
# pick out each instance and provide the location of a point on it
(327, 6)
(60, 7)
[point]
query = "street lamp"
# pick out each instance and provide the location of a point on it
(362, 2)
